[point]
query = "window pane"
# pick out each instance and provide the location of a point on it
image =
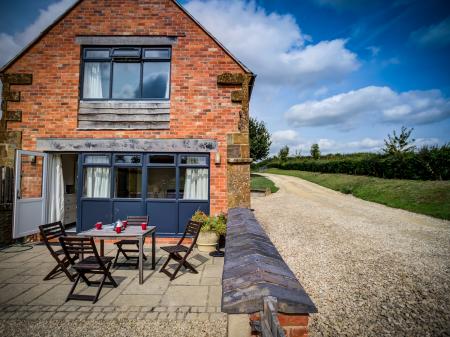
(128, 159)
(96, 159)
(96, 182)
(156, 80)
(161, 183)
(126, 52)
(194, 183)
(128, 182)
(161, 159)
(96, 54)
(126, 80)
(96, 80)
(157, 53)
(194, 160)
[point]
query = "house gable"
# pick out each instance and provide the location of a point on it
(71, 8)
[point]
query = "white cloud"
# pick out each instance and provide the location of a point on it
(374, 50)
(419, 142)
(327, 145)
(437, 35)
(372, 104)
(345, 4)
(284, 137)
(10, 45)
(273, 45)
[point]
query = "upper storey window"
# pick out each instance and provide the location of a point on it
(126, 73)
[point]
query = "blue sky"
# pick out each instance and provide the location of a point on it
(342, 73)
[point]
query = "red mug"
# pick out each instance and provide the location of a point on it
(98, 225)
(125, 223)
(144, 226)
(118, 230)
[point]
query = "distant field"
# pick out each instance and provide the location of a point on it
(261, 183)
(425, 197)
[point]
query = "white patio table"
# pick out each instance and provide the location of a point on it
(107, 232)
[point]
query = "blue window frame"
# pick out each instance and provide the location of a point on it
(125, 73)
(152, 184)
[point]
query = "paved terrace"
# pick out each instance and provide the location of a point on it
(25, 296)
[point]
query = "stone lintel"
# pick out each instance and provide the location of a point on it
(126, 145)
(126, 40)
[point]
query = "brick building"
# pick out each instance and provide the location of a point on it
(125, 107)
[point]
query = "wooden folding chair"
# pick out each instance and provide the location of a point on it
(93, 264)
(53, 231)
(192, 230)
(135, 220)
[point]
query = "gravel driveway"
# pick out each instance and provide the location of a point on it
(371, 270)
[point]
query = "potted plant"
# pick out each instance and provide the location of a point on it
(213, 226)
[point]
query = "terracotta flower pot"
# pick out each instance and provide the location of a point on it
(207, 241)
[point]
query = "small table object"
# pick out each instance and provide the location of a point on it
(108, 232)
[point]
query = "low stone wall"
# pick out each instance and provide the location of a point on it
(254, 269)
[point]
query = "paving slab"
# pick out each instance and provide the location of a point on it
(185, 295)
(7, 273)
(214, 296)
(10, 291)
(154, 286)
(213, 270)
(32, 293)
(139, 300)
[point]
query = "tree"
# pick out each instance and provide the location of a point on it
(283, 153)
(315, 151)
(399, 144)
(259, 139)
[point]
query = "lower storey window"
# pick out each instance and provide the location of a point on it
(194, 183)
(128, 182)
(161, 183)
(96, 182)
(150, 176)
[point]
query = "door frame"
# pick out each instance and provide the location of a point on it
(17, 197)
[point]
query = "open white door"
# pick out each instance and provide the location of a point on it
(30, 192)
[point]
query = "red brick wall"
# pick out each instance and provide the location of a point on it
(294, 325)
(199, 109)
(31, 173)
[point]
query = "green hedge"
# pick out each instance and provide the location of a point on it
(429, 163)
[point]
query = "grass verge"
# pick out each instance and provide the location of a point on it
(259, 182)
(425, 197)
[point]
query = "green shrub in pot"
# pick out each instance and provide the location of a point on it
(212, 227)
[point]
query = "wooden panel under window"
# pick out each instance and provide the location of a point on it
(123, 115)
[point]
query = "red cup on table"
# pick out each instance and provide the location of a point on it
(118, 229)
(98, 225)
(144, 226)
(125, 223)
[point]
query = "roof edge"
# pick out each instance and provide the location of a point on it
(40, 36)
(230, 54)
(63, 15)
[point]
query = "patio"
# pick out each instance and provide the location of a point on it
(24, 295)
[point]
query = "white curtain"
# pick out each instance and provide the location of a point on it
(96, 182)
(55, 189)
(92, 81)
(196, 184)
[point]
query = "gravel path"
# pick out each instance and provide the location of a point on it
(371, 270)
(113, 328)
